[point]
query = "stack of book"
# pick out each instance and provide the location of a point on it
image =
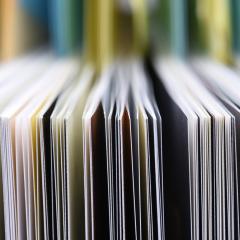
(119, 119)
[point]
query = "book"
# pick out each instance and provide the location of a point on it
(16, 25)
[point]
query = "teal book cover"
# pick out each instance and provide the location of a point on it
(235, 13)
(66, 25)
(37, 8)
(178, 27)
(169, 27)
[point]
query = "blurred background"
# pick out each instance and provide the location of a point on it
(101, 30)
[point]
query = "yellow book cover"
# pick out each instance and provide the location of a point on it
(0, 23)
(99, 32)
(215, 22)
